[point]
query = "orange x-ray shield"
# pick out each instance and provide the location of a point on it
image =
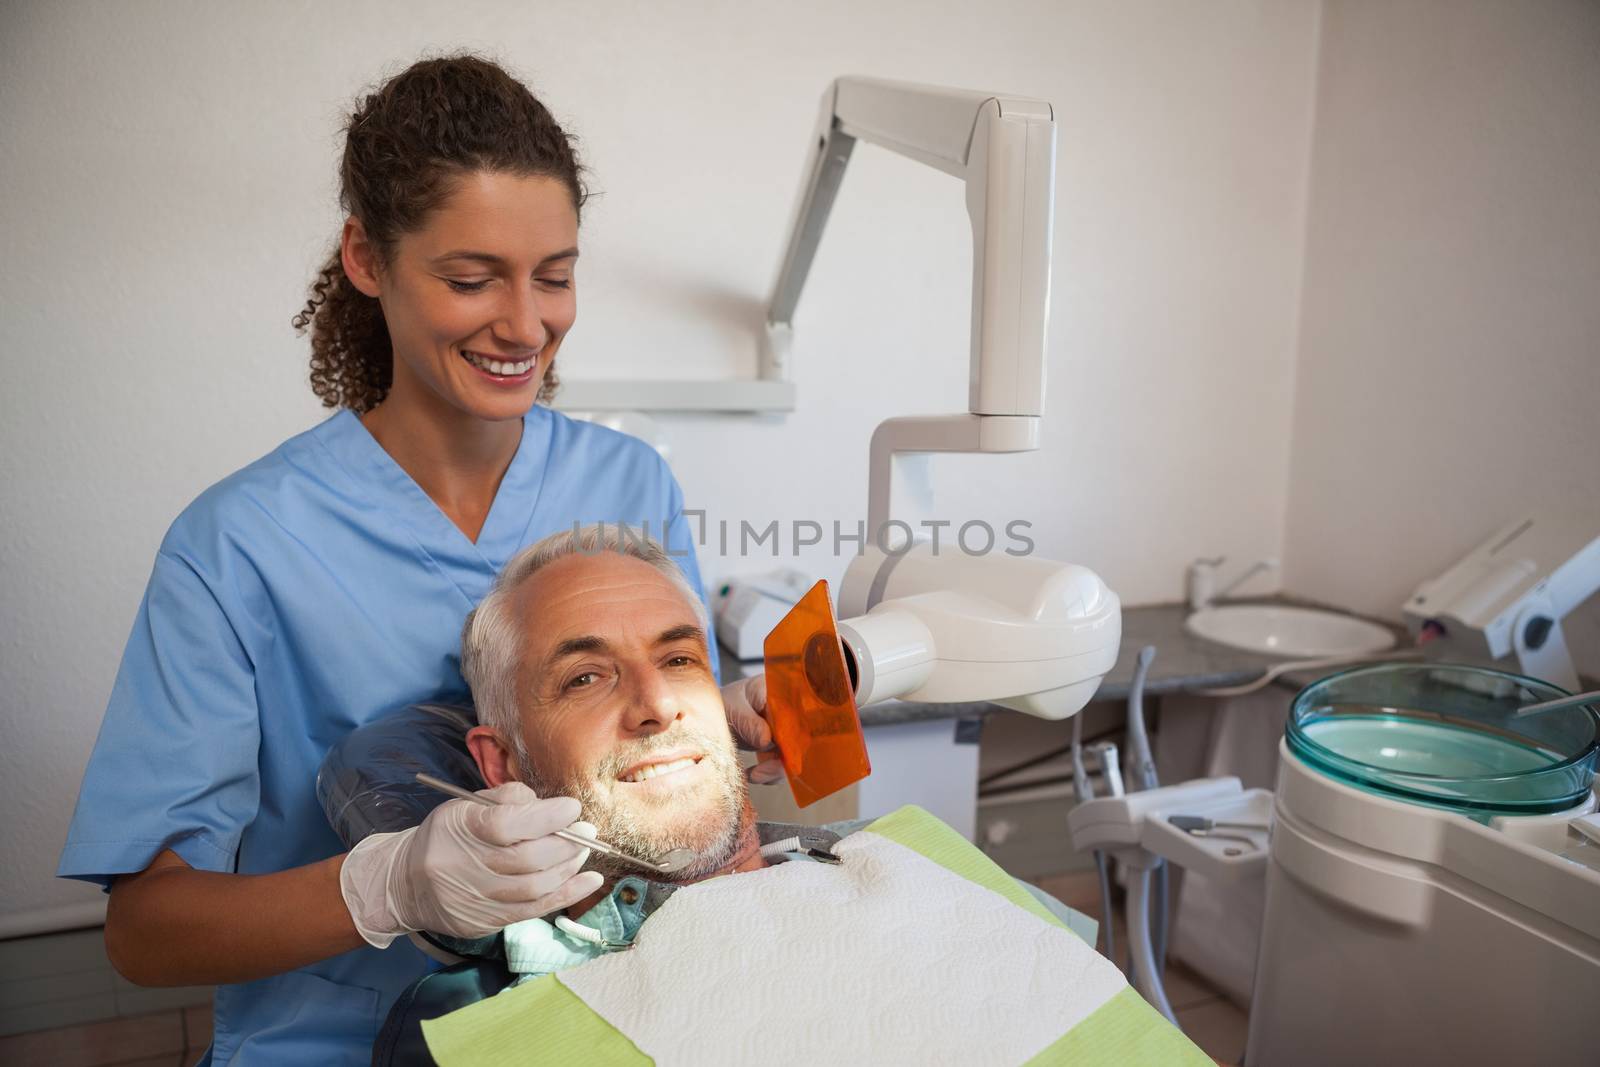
(811, 703)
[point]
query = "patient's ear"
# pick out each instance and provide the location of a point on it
(492, 755)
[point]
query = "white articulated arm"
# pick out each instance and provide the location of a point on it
(938, 433)
(1003, 148)
(1028, 633)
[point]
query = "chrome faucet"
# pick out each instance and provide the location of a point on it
(1201, 584)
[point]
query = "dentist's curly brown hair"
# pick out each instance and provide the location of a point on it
(406, 144)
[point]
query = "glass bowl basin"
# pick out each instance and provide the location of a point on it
(1443, 735)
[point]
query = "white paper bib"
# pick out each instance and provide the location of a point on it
(887, 958)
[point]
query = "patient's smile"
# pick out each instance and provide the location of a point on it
(658, 768)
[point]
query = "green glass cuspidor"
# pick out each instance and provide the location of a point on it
(1444, 735)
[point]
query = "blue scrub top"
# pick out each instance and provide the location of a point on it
(294, 601)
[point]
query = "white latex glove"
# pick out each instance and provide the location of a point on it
(746, 704)
(469, 870)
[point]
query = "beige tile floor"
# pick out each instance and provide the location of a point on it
(1211, 1020)
(177, 1038)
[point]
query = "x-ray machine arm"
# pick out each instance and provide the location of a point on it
(1032, 634)
(1004, 149)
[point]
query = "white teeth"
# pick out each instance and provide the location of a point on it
(655, 770)
(496, 367)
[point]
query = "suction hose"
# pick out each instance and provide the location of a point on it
(1147, 949)
(1146, 976)
(1083, 789)
(1140, 769)
(1141, 774)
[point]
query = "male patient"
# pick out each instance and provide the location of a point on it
(590, 668)
(589, 664)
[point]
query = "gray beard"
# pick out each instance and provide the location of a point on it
(711, 831)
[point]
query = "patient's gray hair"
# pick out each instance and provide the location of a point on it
(491, 640)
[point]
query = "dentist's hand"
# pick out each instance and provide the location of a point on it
(469, 870)
(746, 702)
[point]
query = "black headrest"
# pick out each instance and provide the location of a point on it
(368, 782)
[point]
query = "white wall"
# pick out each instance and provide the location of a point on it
(1449, 374)
(168, 179)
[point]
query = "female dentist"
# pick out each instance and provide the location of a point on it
(326, 584)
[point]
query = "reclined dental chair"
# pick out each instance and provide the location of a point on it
(367, 784)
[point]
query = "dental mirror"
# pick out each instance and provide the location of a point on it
(671, 863)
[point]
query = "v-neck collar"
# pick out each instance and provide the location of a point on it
(510, 514)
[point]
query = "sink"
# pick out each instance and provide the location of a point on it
(1284, 631)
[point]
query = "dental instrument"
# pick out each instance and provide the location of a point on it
(1141, 763)
(1105, 752)
(1591, 697)
(1142, 773)
(1510, 593)
(798, 847)
(1083, 790)
(672, 863)
(1102, 833)
(1197, 824)
(1132, 830)
(1147, 884)
(1226, 836)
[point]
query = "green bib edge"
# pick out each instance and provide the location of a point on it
(533, 1025)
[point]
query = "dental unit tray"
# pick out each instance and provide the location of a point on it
(1135, 828)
